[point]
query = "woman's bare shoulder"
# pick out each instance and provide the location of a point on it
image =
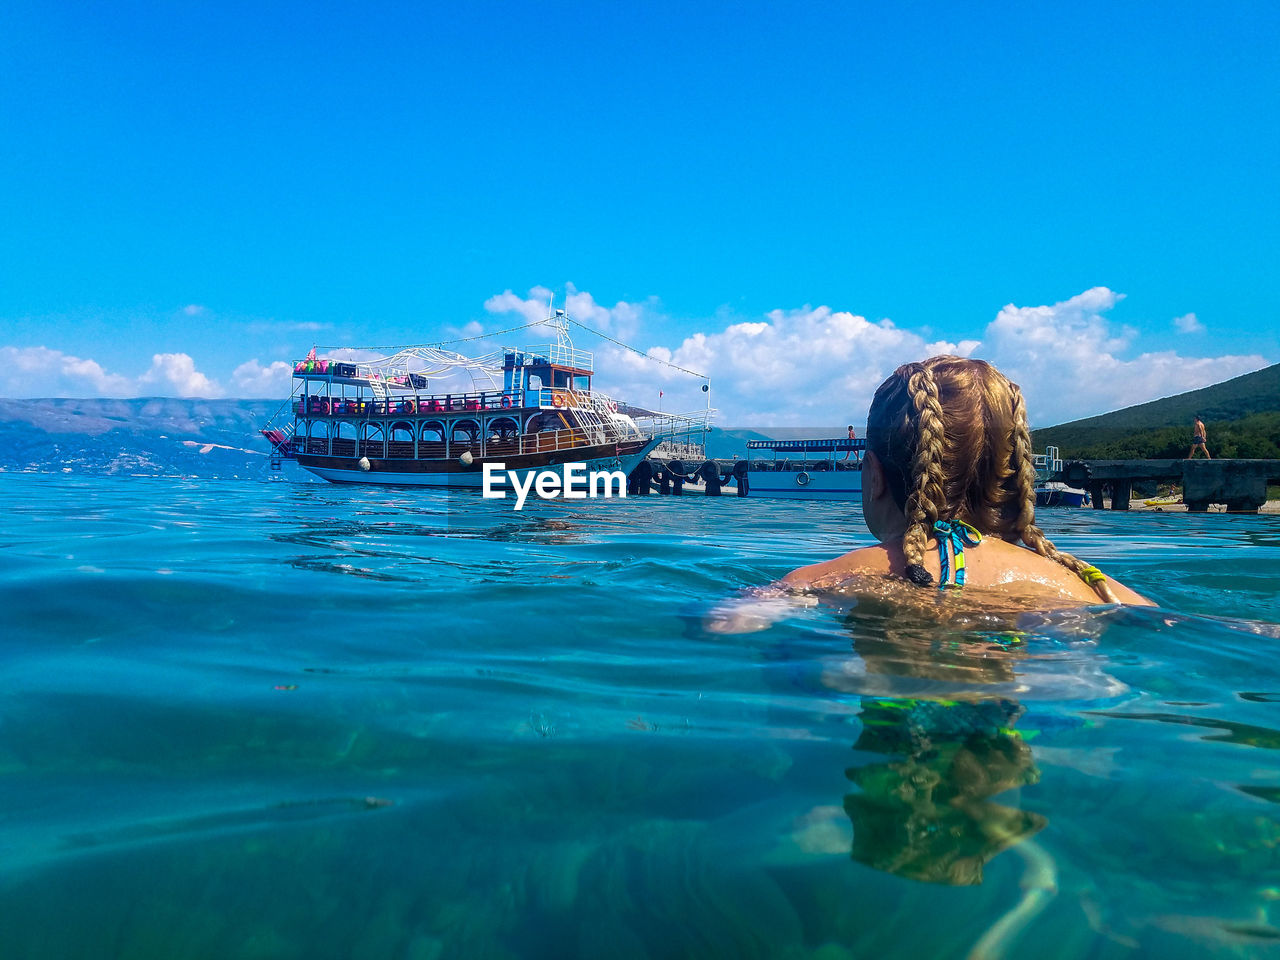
(874, 560)
(999, 562)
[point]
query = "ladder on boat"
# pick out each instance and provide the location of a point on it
(592, 415)
(281, 440)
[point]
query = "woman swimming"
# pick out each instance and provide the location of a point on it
(948, 488)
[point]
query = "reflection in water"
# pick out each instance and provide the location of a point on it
(926, 814)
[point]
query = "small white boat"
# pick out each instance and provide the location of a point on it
(1055, 493)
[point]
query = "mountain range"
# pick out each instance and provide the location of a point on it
(148, 436)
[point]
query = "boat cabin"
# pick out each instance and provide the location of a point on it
(805, 455)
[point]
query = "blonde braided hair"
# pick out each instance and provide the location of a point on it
(927, 497)
(1027, 531)
(952, 434)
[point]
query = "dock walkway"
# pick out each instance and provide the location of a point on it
(1239, 484)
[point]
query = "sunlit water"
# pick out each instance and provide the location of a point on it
(302, 721)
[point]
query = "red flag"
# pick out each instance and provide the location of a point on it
(659, 394)
(312, 354)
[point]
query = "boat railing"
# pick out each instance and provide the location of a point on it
(676, 427)
(560, 354)
(550, 440)
(1047, 463)
(442, 403)
(549, 398)
(679, 450)
(546, 399)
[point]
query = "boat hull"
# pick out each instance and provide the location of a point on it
(624, 456)
(1060, 495)
(806, 485)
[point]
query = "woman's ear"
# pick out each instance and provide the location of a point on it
(874, 483)
(883, 516)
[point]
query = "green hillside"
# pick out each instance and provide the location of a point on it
(1242, 416)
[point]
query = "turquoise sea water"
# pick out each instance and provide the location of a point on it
(305, 721)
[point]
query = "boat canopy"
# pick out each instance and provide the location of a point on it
(807, 446)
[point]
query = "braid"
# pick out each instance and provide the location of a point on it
(926, 497)
(1025, 525)
(1024, 468)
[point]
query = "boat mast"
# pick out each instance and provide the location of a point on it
(559, 320)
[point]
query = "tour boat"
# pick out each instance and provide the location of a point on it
(805, 469)
(428, 416)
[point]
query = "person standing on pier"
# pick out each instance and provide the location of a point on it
(849, 452)
(1198, 436)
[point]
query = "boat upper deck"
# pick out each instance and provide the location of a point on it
(366, 408)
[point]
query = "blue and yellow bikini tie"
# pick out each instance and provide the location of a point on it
(958, 535)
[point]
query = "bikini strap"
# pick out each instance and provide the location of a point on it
(958, 535)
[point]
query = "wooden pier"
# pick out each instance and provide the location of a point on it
(809, 468)
(1239, 484)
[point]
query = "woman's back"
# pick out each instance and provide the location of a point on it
(992, 565)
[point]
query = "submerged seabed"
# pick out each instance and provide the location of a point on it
(303, 721)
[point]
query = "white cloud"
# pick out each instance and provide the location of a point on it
(42, 372)
(1068, 359)
(1188, 323)
(179, 372)
(805, 367)
(623, 319)
(194, 310)
(819, 367)
(252, 379)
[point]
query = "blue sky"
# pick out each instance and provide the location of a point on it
(188, 187)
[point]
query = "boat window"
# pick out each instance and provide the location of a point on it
(465, 431)
(502, 428)
(542, 422)
(560, 379)
(582, 383)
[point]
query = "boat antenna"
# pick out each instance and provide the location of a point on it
(559, 321)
